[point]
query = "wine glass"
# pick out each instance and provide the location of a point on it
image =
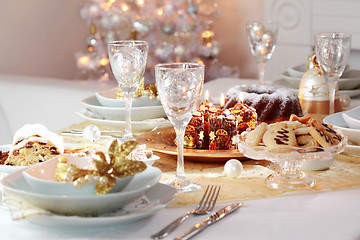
(332, 52)
(179, 86)
(262, 38)
(128, 62)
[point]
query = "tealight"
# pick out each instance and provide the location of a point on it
(233, 168)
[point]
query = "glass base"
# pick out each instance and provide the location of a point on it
(184, 185)
(290, 181)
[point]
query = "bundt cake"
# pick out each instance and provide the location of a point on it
(272, 104)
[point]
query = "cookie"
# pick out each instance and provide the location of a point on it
(255, 137)
(280, 139)
(323, 139)
(306, 141)
(304, 119)
(327, 129)
(301, 131)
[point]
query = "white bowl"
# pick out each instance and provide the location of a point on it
(16, 184)
(338, 122)
(316, 165)
(107, 99)
(150, 161)
(41, 178)
(118, 114)
(352, 117)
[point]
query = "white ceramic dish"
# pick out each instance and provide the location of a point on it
(16, 184)
(158, 197)
(119, 113)
(338, 122)
(151, 161)
(41, 178)
(137, 126)
(299, 71)
(349, 82)
(352, 118)
(284, 83)
(106, 98)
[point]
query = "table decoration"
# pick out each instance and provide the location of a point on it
(262, 37)
(343, 174)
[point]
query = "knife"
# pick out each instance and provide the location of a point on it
(215, 217)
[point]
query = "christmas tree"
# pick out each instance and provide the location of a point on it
(176, 31)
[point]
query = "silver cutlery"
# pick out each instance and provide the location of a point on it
(80, 133)
(215, 217)
(205, 206)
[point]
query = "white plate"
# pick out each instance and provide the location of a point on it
(16, 184)
(158, 197)
(137, 126)
(284, 83)
(107, 99)
(338, 122)
(119, 113)
(348, 82)
(299, 71)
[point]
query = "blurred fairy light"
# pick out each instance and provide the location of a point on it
(176, 30)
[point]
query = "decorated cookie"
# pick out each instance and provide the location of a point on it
(305, 141)
(304, 119)
(323, 139)
(301, 131)
(255, 137)
(279, 139)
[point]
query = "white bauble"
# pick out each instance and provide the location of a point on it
(233, 168)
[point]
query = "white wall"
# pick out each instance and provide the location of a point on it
(41, 37)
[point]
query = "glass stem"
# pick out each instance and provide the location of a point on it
(331, 82)
(180, 133)
(261, 67)
(128, 103)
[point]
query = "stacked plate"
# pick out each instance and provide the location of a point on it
(349, 123)
(32, 189)
(349, 83)
(104, 109)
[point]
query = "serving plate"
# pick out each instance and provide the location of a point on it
(154, 199)
(107, 99)
(137, 126)
(349, 82)
(16, 184)
(352, 117)
(162, 141)
(119, 113)
(353, 147)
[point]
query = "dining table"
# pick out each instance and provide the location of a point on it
(329, 210)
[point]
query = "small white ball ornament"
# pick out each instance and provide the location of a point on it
(268, 37)
(233, 168)
(91, 133)
(261, 49)
(256, 31)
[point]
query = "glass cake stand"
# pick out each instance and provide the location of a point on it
(290, 176)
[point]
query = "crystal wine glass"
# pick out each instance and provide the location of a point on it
(262, 41)
(332, 52)
(128, 62)
(179, 86)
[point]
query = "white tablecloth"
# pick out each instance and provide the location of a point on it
(327, 215)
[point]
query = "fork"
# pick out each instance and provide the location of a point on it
(205, 206)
